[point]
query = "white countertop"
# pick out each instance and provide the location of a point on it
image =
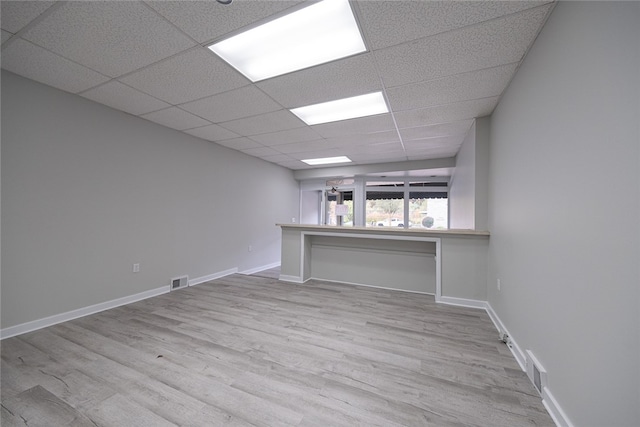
(386, 230)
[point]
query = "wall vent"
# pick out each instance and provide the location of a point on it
(179, 282)
(536, 373)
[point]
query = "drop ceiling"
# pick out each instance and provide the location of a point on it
(439, 64)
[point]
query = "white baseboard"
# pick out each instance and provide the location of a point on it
(513, 345)
(554, 409)
(373, 286)
(214, 276)
(258, 269)
(462, 302)
(294, 279)
(81, 312)
(550, 403)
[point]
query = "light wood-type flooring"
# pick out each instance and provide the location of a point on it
(251, 350)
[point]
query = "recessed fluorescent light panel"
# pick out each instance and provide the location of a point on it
(320, 33)
(327, 160)
(343, 109)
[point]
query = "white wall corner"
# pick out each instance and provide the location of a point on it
(289, 278)
(261, 268)
(511, 343)
(555, 411)
(550, 403)
(214, 276)
(462, 302)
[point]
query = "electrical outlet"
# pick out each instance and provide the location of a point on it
(250, 248)
(499, 284)
(293, 220)
(136, 268)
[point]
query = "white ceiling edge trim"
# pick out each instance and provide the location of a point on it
(352, 170)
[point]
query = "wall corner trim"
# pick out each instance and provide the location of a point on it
(259, 269)
(34, 325)
(553, 408)
(550, 403)
(214, 276)
(462, 302)
(513, 346)
(288, 278)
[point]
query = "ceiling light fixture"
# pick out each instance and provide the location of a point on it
(343, 109)
(322, 32)
(327, 160)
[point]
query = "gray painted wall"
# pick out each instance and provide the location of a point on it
(310, 206)
(87, 191)
(394, 264)
(464, 267)
(383, 267)
(462, 195)
(469, 190)
(482, 161)
(463, 260)
(564, 209)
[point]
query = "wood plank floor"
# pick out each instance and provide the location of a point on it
(251, 350)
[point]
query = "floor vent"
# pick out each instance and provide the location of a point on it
(179, 282)
(536, 373)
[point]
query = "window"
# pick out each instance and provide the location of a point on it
(385, 204)
(428, 213)
(339, 207)
(428, 205)
(408, 204)
(412, 202)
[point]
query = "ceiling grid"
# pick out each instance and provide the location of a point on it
(439, 64)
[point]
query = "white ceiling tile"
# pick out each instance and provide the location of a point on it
(435, 152)
(365, 138)
(110, 37)
(446, 113)
(5, 36)
(239, 143)
(381, 122)
(235, 104)
(260, 151)
(422, 132)
(208, 20)
(265, 123)
(461, 87)
(426, 18)
(388, 147)
(278, 158)
(497, 42)
(122, 97)
(287, 136)
(442, 63)
(315, 154)
(430, 143)
(440, 153)
(364, 157)
(31, 61)
(191, 75)
(351, 76)
(450, 146)
(294, 164)
(213, 133)
(176, 118)
(301, 147)
(16, 15)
